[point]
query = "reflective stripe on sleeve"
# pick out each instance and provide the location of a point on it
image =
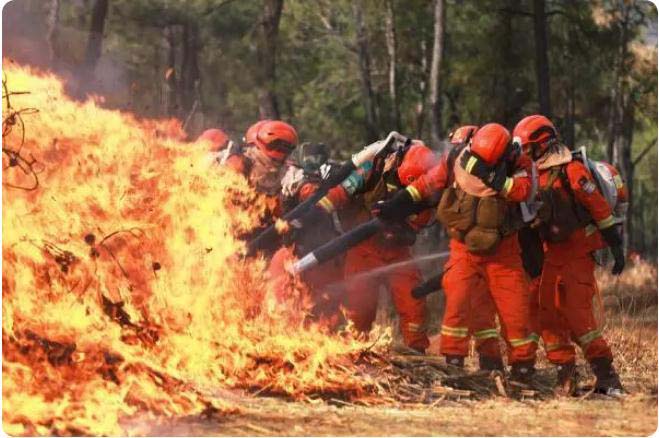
(507, 186)
(326, 204)
(606, 223)
(416, 195)
(471, 162)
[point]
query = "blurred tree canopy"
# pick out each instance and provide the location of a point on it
(344, 72)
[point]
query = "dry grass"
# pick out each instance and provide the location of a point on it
(630, 303)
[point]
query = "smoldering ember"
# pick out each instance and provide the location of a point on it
(372, 217)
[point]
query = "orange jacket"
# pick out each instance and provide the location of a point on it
(516, 189)
(344, 194)
(584, 189)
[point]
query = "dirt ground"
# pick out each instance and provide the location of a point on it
(636, 416)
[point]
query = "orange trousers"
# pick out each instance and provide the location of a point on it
(471, 314)
(361, 298)
(499, 275)
(565, 309)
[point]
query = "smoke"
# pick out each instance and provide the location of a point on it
(33, 34)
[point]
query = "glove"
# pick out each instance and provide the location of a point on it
(613, 239)
(396, 208)
(313, 215)
(492, 176)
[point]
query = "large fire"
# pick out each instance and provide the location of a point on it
(122, 293)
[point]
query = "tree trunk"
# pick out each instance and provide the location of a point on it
(266, 51)
(541, 57)
(624, 158)
(95, 41)
(170, 103)
(189, 83)
(510, 61)
(435, 75)
(617, 92)
(423, 90)
(391, 50)
(53, 24)
(365, 71)
(568, 130)
(622, 112)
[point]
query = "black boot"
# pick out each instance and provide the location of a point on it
(522, 372)
(490, 363)
(608, 382)
(566, 379)
(456, 361)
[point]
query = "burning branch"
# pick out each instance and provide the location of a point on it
(15, 158)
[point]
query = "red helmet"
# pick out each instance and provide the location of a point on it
(490, 143)
(216, 137)
(417, 160)
(250, 134)
(534, 134)
(463, 134)
(275, 138)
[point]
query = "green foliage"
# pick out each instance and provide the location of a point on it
(488, 73)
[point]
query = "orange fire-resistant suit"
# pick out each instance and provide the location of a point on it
(499, 275)
(325, 302)
(568, 285)
(380, 250)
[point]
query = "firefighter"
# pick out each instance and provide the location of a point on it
(217, 138)
(575, 221)
(372, 182)
(300, 182)
(477, 307)
(262, 158)
(479, 206)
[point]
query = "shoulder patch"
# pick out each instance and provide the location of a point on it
(586, 185)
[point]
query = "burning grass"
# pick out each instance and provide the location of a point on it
(122, 292)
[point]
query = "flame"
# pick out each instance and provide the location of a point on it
(122, 293)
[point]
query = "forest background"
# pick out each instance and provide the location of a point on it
(347, 72)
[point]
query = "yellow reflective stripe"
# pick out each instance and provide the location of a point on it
(523, 341)
(486, 334)
(589, 337)
(618, 181)
(590, 229)
(392, 187)
(413, 327)
(456, 332)
(606, 223)
(554, 347)
(471, 162)
(507, 186)
(326, 204)
(416, 195)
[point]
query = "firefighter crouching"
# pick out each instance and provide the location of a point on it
(480, 210)
(374, 181)
(300, 182)
(576, 220)
(262, 160)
